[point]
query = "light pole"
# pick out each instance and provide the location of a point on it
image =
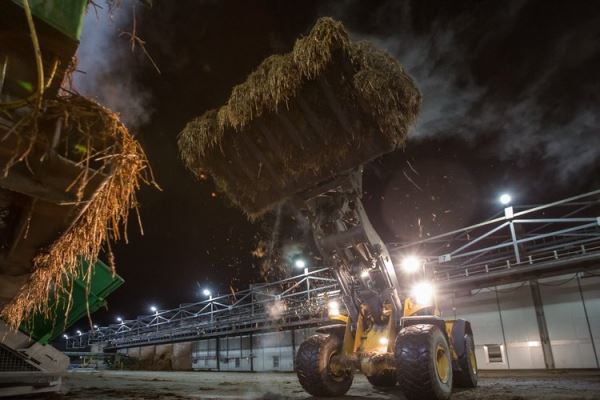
(207, 293)
(505, 199)
(155, 311)
(300, 263)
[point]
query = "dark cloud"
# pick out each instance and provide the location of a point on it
(526, 73)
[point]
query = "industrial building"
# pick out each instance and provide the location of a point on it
(511, 329)
(529, 322)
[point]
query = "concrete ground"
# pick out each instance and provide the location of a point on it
(111, 385)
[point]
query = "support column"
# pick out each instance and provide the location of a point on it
(587, 320)
(293, 332)
(542, 326)
(251, 353)
(502, 327)
(513, 235)
(218, 339)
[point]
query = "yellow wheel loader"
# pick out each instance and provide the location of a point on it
(393, 331)
(299, 130)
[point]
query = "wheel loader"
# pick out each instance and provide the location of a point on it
(393, 331)
(299, 130)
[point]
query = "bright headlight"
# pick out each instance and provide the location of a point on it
(410, 264)
(422, 293)
(383, 343)
(333, 308)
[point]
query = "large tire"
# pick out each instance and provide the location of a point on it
(312, 367)
(467, 376)
(423, 363)
(384, 378)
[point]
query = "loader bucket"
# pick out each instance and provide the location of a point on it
(301, 118)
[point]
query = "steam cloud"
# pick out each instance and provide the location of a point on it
(106, 64)
(541, 110)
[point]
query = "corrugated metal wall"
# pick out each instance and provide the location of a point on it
(265, 351)
(504, 320)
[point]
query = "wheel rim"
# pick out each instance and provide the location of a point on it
(442, 365)
(334, 367)
(472, 360)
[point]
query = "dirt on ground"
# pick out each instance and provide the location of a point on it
(128, 385)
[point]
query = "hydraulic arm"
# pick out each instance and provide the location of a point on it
(348, 242)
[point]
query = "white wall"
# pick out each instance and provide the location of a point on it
(257, 355)
(273, 351)
(590, 286)
(204, 354)
(524, 349)
(510, 308)
(567, 326)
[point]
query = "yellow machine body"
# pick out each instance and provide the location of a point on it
(364, 337)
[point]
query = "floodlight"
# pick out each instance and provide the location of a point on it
(206, 292)
(333, 308)
(505, 198)
(411, 264)
(422, 293)
(300, 263)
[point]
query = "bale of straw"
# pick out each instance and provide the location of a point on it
(300, 118)
(112, 151)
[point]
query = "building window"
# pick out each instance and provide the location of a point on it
(275, 361)
(494, 353)
(237, 362)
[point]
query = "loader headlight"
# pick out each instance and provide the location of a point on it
(422, 293)
(410, 264)
(333, 308)
(383, 344)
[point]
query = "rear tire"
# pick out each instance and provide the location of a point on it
(423, 363)
(384, 377)
(468, 375)
(313, 367)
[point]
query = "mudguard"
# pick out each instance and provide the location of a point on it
(335, 329)
(456, 330)
(425, 319)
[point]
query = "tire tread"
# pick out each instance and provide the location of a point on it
(309, 372)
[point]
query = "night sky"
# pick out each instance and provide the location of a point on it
(511, 103)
